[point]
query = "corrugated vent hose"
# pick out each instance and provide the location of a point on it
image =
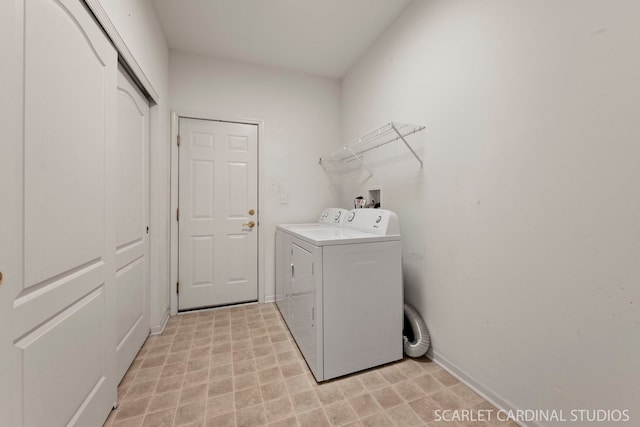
(421, 340)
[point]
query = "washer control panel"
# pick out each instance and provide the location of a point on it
(335, 216)
(378, 221)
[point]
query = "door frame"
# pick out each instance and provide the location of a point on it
(176, 115)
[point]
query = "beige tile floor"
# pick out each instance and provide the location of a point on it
(239, 366)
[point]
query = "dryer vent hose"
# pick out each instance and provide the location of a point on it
(421, 340)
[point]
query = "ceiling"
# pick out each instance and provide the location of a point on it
(320, 37)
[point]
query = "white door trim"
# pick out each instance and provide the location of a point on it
(175, 118)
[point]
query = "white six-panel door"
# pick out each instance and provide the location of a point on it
(132, 217)
(218, 198)
(57, 342)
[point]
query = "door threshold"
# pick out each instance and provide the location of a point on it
(218, 307)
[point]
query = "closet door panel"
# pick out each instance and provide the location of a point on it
(65, 94)
(58, 314)
(131, 203)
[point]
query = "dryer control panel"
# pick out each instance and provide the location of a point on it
(377, 221)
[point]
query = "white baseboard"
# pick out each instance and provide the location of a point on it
(487, 394)
(269, 298)
(157, 330)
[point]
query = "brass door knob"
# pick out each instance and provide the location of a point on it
(251, 212)
(250, 224)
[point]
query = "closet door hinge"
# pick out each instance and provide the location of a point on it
(178, 140)
(178, 214)
(177, 287)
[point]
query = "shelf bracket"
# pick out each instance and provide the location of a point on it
(393, 126)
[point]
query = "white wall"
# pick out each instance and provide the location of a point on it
(522, 232)
(137, 24)
(301, 117)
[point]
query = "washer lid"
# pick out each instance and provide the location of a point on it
(303, 227)
(330, 217)
(340, 236)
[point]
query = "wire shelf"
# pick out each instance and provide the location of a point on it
(350, 156)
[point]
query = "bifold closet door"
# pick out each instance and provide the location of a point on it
(57, 299)
(132, 218)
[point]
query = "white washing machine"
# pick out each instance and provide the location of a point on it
(339, 289)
